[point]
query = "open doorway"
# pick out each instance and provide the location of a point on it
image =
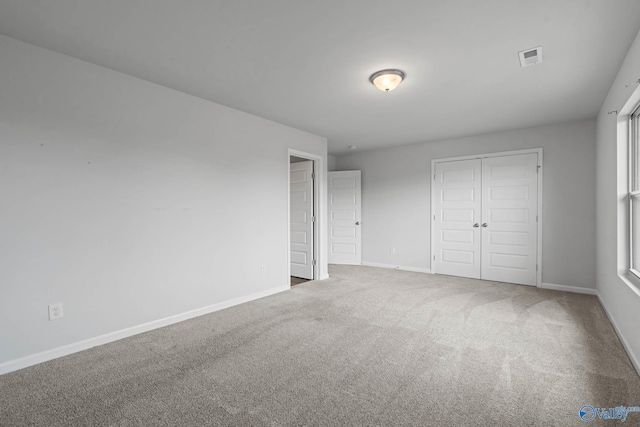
(303, 215)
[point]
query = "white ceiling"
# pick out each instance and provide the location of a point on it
(306, 63)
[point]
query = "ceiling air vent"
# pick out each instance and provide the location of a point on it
(530, 56)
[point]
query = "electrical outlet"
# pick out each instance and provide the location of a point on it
(55, 311)
(393, 251)
(264, 269)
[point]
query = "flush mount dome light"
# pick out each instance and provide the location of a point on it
(387, 80)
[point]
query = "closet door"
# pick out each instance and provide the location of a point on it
(456, 230)
(509, 218)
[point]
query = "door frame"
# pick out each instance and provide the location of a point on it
(482, 156)
(318, 205)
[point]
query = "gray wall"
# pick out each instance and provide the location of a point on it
(331, 163)
(129, 202)
(396, 197)
(620, 298)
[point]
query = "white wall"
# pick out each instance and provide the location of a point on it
(129, 202)
(619, 298)
(331, 162)
(396, 197)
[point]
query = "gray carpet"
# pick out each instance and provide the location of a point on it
(367, 347)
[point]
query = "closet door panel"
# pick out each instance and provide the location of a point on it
(456, 229)
(509, 221)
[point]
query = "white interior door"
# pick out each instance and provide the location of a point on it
(485, 222)
(301, 218)
(345, 239)
(509, 215)
(456, 222)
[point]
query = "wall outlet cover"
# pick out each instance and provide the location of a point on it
(55, 311)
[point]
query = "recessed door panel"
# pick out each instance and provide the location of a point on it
(510, 192)
(506, 215)
(299, 196)
(508, 172)
(508, 261)
(343, 214)
(509, 238)
(343, 182)
(299, 217)
(457, 236)
(457, 215)
(343, 248)
(466, 258)
(343, 232)
(298, 176)
(457, 194)
(300, 237)
(458, 175)
(343, 199)
(299, 258)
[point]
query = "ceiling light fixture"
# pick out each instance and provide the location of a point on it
(387, 80)
(352, 147)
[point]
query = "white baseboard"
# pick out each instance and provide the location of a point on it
(34, 359)
(565, 288)
(635, 361)
(397, 267)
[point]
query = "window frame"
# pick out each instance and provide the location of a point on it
(633, 192)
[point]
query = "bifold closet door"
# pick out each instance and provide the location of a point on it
(457, 210)
(509, 218)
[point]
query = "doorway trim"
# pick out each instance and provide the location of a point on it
(482, 156)
(319, 241)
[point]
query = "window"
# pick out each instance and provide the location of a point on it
(634, 191)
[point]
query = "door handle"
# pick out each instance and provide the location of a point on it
(357, 222)
(484, 224)
(476, 225)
